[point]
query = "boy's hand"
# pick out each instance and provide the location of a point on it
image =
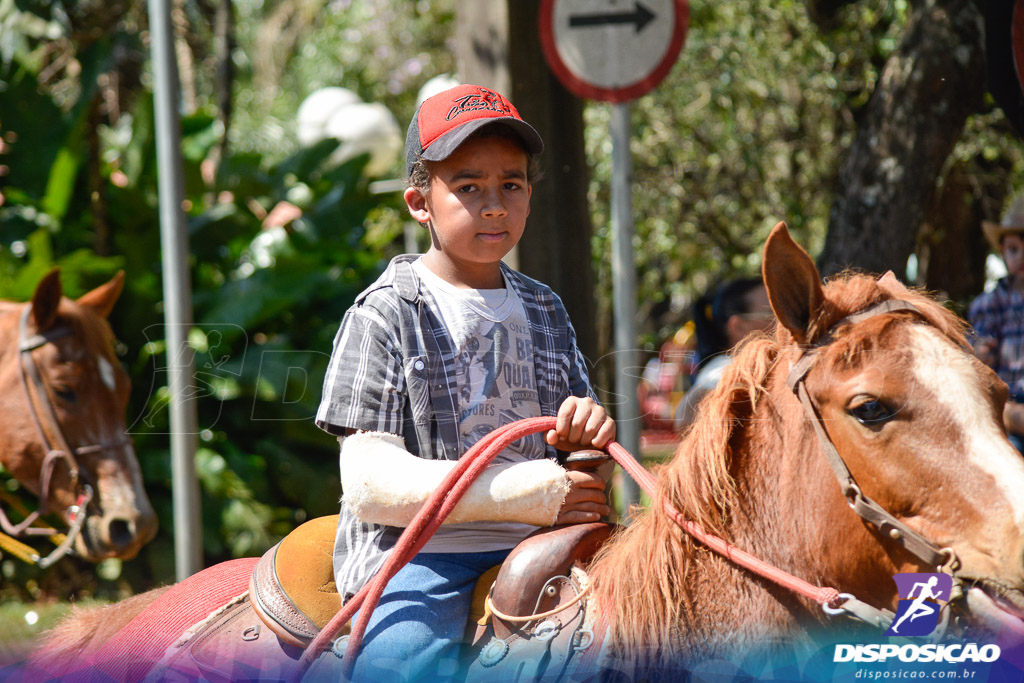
(581, 423)
(585, 501)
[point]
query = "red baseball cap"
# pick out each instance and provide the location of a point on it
(444, 121)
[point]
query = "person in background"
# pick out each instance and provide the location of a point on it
(998, 316)
(665, 379)
(723, 316)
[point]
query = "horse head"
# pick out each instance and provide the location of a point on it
(865, 396)
(916, 421)
(63, 394)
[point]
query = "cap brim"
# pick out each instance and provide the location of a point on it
(444, 146)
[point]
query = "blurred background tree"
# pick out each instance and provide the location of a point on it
(751, 126)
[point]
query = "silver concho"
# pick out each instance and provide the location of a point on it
(493, 652)
(546, 630)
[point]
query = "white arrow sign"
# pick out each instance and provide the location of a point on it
(612, 50)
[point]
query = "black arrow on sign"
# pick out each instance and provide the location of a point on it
(641, 16)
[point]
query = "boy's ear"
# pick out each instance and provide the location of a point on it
(417, 203)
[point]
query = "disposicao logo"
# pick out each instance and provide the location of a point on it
(922, 597)
(954, 653)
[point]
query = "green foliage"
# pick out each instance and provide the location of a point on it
(745, 131)
(267, 301)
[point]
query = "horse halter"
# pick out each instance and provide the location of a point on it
(56, 450)
(944, 559)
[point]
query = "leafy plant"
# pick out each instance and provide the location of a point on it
(267, 301)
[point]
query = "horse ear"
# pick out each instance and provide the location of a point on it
(46, 300)
(792, 281)
(890, 279)
(103, 298)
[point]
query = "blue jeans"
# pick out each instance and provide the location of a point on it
(417, 629)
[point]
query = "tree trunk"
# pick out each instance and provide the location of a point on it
(224, 46)
(556, 245)
(953, 250)
(928, 88)
(481, 43)
(555, 248)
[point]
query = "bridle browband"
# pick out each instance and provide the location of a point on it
(943, 559)
(57, 449)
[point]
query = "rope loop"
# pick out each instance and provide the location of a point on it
(489, 604)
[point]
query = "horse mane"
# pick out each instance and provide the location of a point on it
(641, 576)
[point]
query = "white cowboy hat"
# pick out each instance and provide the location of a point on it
(1012, 222)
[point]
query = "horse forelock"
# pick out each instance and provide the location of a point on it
(89, 329)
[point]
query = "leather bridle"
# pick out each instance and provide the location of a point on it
(57, 449)
(943, 559)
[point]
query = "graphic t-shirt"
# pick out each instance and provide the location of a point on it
(495, 386)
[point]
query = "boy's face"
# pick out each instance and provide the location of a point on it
(1013, 255)
(477, 207)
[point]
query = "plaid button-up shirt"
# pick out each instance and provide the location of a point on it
(393, 370)
(999, 315)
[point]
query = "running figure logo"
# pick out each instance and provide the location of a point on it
(922, 596)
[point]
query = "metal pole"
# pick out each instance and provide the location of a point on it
(177, 293)
(627, 418)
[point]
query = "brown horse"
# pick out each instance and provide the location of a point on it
(915, 417)
(63, 396)
(880, 374)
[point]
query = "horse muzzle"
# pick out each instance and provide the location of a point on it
(997, 609)
(119, 533)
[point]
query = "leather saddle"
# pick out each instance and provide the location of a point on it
(293, 592)
(292, 596)
(262, 634)
(292, 588)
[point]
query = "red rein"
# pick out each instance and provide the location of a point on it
(447, 495)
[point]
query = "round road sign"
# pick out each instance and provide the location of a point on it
(612, 50)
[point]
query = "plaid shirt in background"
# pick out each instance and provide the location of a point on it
(999, 315)
(393, 370)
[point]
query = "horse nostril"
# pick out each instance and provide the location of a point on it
(120, 533)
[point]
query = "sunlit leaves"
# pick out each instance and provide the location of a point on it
(745, 131)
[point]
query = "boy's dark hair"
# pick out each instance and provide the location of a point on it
(419, 176)
(711, 313)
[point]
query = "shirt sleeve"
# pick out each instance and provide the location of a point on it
(364, 388)
(579, 380)
(985, 316)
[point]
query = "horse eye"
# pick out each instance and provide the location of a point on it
(872, 412)
(66, 395)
